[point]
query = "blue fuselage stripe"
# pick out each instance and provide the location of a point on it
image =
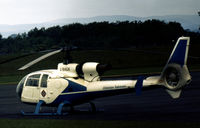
(179, 53)
(74, 87)
(79, 98)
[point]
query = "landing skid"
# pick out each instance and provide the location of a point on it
(38, 106)
(38, 114)
(93, 107)
(59, 109)
(91, 110)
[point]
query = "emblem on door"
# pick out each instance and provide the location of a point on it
(43, 93)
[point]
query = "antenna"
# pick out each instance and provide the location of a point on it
(199, 15)
(67, 49)
(67, 56)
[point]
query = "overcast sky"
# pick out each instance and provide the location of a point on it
(37, 11)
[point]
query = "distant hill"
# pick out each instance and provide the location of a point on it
(190, 22)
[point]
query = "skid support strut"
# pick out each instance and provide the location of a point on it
(60, 106)
(38, 106)
(37, 110)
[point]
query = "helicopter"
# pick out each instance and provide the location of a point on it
(73, 84)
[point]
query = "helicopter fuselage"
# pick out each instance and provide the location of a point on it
(52, 88)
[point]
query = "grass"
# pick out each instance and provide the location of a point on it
(52, 123)
(11, 79)
(124, 62)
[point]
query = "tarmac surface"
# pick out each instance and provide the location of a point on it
(151, 105)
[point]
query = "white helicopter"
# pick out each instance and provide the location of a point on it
(73, 84)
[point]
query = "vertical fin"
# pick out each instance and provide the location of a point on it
(179, 54)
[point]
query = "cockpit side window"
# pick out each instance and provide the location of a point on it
(33, 80)
(44, 81)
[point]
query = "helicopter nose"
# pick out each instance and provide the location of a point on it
(19, 90)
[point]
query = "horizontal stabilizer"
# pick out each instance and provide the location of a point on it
(174, 94)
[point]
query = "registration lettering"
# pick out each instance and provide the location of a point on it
(65, 69)
(114, 87)
(108, 88)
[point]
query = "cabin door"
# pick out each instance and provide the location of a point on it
(44, 95)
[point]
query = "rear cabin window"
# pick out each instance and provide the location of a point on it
(44, 81)
(33, 80)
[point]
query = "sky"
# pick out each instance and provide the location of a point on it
(38, 11)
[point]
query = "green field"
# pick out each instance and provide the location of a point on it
(52, 123)
(124, 62)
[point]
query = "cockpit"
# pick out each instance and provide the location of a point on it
(31, 81)
(36, 80)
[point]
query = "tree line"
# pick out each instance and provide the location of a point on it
(97, 35)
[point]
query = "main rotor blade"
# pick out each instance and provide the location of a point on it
(39, 59)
